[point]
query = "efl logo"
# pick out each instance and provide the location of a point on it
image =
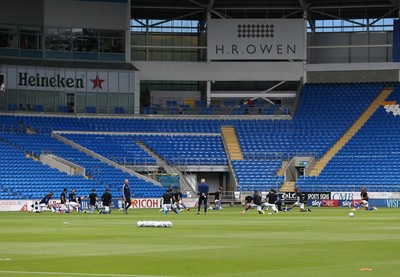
(255, 31)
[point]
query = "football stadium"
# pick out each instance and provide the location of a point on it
(199, 138)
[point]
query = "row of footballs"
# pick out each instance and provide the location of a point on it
(165, 224)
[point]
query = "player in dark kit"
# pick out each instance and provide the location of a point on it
(247, 201)
(93, 201)
(178, 200)
(272, 200)
(364, 201)
(203, 189)
(63, 201)
(43, 204)
(126, 196)
(253, 201)
(74, 201)
(167, 200)
(45, 201)
(299, 202)
(106, 198)
(217, 199)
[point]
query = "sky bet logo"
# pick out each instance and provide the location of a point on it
(255, 31)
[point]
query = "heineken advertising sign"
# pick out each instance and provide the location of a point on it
(68, 80)
(42, 81)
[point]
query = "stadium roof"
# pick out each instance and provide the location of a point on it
(315, 9)
(67, 64)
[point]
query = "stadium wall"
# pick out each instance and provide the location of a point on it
(86, 14)
(219, 71)
(349, 47)
(268, 71)
(138, 203)
(318, 199)
(31, 13)
(353, 76)
(353, 72)
(66, 13)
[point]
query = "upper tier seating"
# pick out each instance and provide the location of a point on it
(121, 149)
(188, 150)
(175, 149)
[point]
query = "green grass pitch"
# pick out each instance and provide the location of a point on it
(325, 242)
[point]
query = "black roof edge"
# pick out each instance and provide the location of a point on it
(68, 64)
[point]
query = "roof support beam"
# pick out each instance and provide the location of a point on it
(292, 13)
(271, 88)
(176, 18)
(396, 3)
(140, 22)
(165, 7)
(311, 10)
(350, 6)
(376, 20)
(209, 10)
(306, 14)
(210, 5)
(337, 17)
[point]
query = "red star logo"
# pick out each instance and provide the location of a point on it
(97, 82)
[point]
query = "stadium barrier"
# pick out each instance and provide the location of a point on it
(137, 203)
(314, 199)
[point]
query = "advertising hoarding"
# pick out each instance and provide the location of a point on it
(255, 39)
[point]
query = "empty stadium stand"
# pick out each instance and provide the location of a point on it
(175, 149)
(324, 115)
(121, 149)
(102, 175)
(369, 159)
(22, 177)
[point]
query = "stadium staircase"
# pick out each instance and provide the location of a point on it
(287, 187)
(281, 171)
(169, 169)
(320, 165)
(233, 152)
(232, 143)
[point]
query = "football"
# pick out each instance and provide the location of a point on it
(351, 214)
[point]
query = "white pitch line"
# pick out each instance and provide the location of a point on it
(77, 274)
(5, 259)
